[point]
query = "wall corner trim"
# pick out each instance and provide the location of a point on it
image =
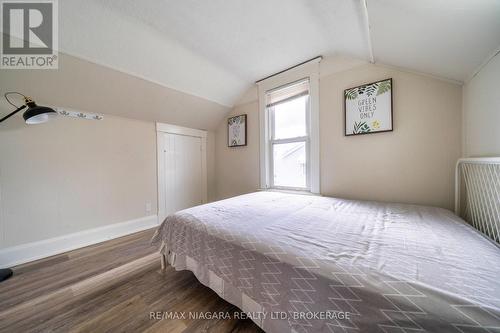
(23, 253)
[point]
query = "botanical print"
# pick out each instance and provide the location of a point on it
(368, 108)
(361, 127)
(237, 131)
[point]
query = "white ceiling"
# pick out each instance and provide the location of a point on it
(448, 38)
(216, 49)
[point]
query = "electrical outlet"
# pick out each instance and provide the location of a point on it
(148, 207)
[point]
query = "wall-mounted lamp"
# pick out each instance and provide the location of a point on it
(34, 114)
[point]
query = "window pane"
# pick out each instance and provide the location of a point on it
(290, 164)
(290, 118)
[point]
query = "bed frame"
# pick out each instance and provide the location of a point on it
(477, 194)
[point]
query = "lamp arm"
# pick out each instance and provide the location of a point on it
(12, 113)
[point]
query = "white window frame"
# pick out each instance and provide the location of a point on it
(308, 70)
(272, 141)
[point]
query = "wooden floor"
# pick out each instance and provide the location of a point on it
(110, 287)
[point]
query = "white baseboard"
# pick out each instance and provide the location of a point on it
(20, 254)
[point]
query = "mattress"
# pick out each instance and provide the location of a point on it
(303, 263)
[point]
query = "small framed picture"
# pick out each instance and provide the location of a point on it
(237, 131)
(368, 108)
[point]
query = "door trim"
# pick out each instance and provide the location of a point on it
(161, 129)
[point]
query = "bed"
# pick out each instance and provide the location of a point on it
(304, 263)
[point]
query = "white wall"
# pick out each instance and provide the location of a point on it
(413, 164)
(237, 168)
(482, 112)
(70, 175)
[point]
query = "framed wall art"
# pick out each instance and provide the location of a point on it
(237, 131)
(368, 108)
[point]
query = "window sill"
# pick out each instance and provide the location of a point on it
(291, 191)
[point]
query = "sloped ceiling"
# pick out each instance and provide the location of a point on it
(216, 49)
(105, 36)
(254, 38)
(83, 86)
(448, 38)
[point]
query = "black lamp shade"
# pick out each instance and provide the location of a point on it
(38, 114)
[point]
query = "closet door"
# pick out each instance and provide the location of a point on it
(183, 172)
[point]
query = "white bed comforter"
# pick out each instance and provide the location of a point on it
(334, 265)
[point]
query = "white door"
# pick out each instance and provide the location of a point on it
(183, 172)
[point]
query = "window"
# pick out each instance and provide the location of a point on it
(287, 109)
(289, 129)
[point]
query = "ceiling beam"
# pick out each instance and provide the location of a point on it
(364, 7)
